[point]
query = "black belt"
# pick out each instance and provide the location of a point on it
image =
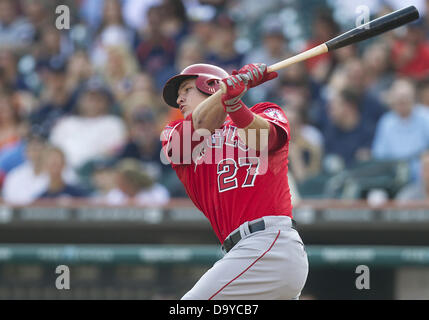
(235, 237)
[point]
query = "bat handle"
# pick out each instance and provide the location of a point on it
(320, 49)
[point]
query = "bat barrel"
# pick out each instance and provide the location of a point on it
(374, 27)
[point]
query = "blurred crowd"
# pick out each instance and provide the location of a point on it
(81, 110)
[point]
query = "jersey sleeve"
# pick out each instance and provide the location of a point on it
(179, 141)
(276, 116)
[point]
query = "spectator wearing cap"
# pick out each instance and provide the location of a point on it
(135, 185)
(16, 32)
(55, 101)
(102, 179)
(25, 182)
(93, 132)
(54, 163)
(403, 132)
(347, 136)
(224, 53)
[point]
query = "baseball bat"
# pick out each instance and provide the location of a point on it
(368, 30)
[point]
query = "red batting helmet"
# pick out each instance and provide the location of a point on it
(208, 78)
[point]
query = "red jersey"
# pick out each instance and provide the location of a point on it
(239, 185)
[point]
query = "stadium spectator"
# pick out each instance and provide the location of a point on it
(55, 99)
(53, 47)
(10, 158)
(379, 73)
(9, 122)
(135, 12)
(24, 183)
(54, 163)
(112, 32)
(273, 48)
(294, 88)
(323, 29)
(16, 32)
(351, 76)
(38, 13)
(410, 53)
(306, 146)
(10, 78)
(202, 29)
(144, 143)
(135, 185)
(119, 70)
(155, 51)
(103, 179)
(403, 132)
(143, 92)
(346, 134)
(423, 93)
(224, 53)
(79, 70)
(175, 24)
(93, 132)
(418, 190)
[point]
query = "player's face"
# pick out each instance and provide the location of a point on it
(189, 97)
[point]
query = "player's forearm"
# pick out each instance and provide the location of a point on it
(209, 116)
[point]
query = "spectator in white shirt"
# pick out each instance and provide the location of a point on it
(93, 133)
(26, 182)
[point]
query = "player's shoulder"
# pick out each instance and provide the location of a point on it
(169, 127)
(174, 123)
(270, 110)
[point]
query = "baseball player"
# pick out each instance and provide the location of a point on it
(238, 179)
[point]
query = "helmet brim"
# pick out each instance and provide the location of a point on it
(171, 88)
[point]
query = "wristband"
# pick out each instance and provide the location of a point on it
(242, 117)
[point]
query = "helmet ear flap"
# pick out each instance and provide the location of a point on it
(207, 84)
